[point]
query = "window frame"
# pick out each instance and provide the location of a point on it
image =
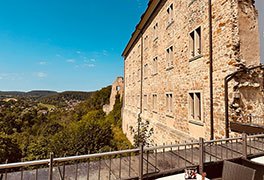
(195, 109)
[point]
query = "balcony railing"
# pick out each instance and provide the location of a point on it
(139, 163)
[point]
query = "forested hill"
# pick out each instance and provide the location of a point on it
(48, 97)
(30, 130)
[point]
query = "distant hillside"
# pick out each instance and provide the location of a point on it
(37, 93)
(49, 97)
(64, 98)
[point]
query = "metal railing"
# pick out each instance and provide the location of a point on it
(139, 163)
(251, 119)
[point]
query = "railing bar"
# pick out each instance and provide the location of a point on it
(181, 157)
(76, 171)
(216, 146)
(60, 172)
(22, 173)
(210, 149)
(147, 161)
(36, 178)
(110, 167)
(168, 146)
(6, 170)
(156, 159)
(120, 166)
(230, 149)
(216, 157)
(250, 145)
(256, 148)
(232, 154)
(88, 167)
(129, 165)
(221, 144)
(99, 171)
(192, 152)
(171, 166)
(185, 155)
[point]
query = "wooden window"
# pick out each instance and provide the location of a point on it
(155, 66)
(145, 102)
(195, 42)
(169, 102)
(139, 75)
(154, 102)
(138, 101)
(169, 57)
(155, 31)
(145, 70)
(195, 106)
(170, 14)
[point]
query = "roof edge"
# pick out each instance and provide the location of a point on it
(140, 26)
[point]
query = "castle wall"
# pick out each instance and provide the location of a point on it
(175, 94)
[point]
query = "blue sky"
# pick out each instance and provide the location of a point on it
(64, 44)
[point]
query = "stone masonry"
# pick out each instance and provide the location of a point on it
(169, 57)
(117, 89)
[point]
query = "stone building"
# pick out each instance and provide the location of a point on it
(176, 62)
(117, 89)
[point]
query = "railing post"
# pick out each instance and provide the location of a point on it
(141, 165)
(201, 157)
(51, 166)
(244, 150)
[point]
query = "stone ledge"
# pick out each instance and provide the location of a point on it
(196, 123)
(195, 58)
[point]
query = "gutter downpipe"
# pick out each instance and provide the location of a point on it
(141, 87)
(211, 69)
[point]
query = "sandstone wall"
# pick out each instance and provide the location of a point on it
(117, 88)
(186, 74)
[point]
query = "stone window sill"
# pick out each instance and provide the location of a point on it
(169, 115)
(196, 122)
(195, 58)
(169, 24)
(169, 68)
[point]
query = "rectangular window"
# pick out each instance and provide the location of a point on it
(170, 14)
(169, 102)
(169, 57)
(195, 105)
(145, 102)
(195, 42)
(139, 74)
(155, 66)
(145, 70)
(154, 102)
(146, 42)
(155, 33)
(138, 101)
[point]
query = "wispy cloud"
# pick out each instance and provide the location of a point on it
(92, 60)
(42, 63)
(11, 76)
(89, 65)
(58, 55)
(70, 60)
(78, 52)
(41, 75)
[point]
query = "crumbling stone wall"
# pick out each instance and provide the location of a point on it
(117, 89)
(247, 99)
